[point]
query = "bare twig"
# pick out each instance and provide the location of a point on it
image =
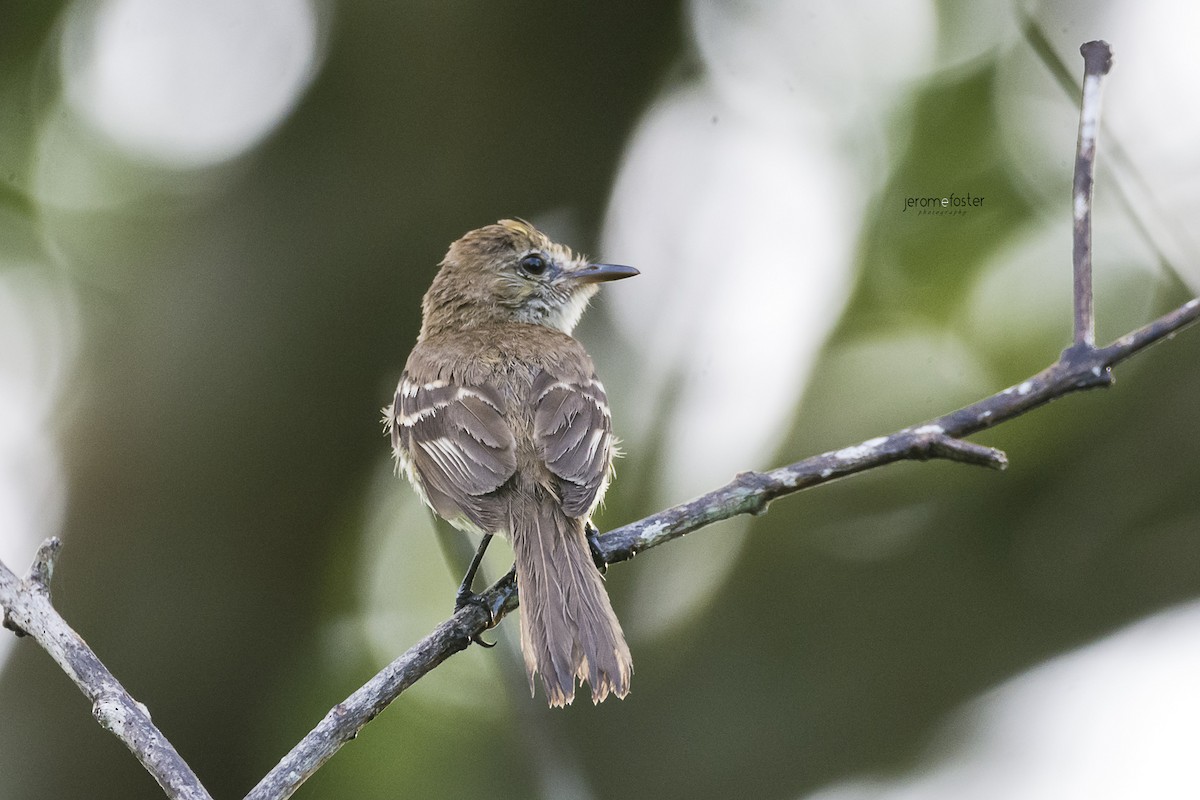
(1097, 61)
(1126, 184)
(750, 493)
(1081, 366)
(27, 609)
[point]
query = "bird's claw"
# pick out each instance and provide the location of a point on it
(466, 597)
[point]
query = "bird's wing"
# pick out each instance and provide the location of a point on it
(572, 427)
(456, 443)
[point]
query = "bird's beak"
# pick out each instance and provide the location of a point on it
(597, 273)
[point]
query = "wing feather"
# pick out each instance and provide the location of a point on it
(455, 444)
(572, 427)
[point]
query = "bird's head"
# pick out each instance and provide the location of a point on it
(511, 272)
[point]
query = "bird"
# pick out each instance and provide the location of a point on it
(502, 427)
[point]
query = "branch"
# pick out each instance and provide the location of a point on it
(28, 612)
(749, 493)
(346, 719)
(1081, 366)
(1097, 61)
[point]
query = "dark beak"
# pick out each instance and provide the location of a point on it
(597, 273)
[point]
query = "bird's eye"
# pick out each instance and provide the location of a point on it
(534, 264)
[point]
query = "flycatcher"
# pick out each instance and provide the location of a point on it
(501, 426)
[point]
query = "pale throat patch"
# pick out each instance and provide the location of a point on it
(566, 316)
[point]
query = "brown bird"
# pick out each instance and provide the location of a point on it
(501, 426)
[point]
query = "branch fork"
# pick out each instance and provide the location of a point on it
(36, 581)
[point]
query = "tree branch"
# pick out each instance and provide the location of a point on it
(1097, 61)
(749, 493)
(28, 612)
(1081, 366)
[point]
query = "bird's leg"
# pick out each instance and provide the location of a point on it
(467, 597)
(593, 540)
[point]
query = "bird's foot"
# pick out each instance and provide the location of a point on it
(466, 597)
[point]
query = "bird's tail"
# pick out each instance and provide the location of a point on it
(568, 628)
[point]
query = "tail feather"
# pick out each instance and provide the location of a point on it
(569, 632)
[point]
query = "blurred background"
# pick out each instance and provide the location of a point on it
(217, 219)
